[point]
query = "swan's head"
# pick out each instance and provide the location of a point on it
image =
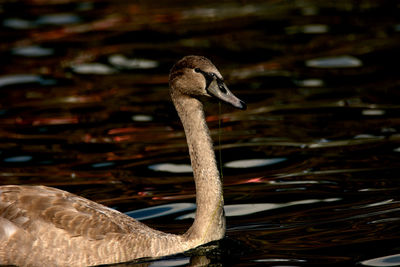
(196, 76)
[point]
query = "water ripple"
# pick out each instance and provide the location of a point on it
(122, 62)
(32, 51)
(247, 209)
(391, 260)
(93, 68)
(171, 167)
(253, 163)
(18, 79)
(334, 62)
(170, 262)
(161, 210)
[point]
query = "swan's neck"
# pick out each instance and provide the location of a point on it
(209, 223)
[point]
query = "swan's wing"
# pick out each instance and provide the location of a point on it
(31, 207)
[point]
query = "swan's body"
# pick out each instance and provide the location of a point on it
(42, 226)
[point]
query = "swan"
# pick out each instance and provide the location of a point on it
(42, 226)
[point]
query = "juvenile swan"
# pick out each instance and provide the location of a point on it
(43, 226)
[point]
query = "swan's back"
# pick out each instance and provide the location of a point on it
(25, 205)
(38, 218)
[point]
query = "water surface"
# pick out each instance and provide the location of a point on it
(311, 169)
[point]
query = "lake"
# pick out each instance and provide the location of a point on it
(311, 169)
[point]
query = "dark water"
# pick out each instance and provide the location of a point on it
(311, 169)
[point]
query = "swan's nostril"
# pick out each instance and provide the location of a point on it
(222, 88)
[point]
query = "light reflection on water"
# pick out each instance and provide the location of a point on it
(392, 260)
(311, 169)
(19, 79)
(171, 262)
(162, 210)
(247, 209)
(32, 51)
(334, 62)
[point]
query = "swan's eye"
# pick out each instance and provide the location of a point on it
(197, 70)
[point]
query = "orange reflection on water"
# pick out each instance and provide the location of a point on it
(250, 181)
(122, 138)
(126, 130)
(176, 197)
(80, 99)
(47, 121)
(217, 117)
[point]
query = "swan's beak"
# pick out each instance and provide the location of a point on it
(218, 89)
